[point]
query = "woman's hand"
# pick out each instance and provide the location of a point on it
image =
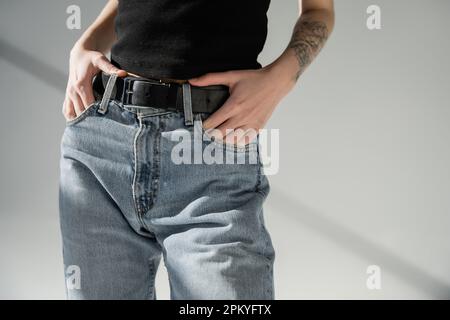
(84, 65)
(254, 94)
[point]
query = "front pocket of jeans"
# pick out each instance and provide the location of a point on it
(83, 115)
(252, 146)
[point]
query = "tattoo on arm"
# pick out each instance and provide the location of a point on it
(308, 39)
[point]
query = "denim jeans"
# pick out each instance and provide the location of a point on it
(124, 204)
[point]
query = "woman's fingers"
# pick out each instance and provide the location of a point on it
(246, 135)
(103, 64)
(68, 109)
(84, 90)
(233, 131)
(76, 102)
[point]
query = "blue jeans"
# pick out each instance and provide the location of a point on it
(124, 203)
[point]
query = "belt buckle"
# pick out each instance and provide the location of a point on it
(129, 88)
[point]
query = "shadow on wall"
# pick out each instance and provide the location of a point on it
(359, 245)
(33, 66)
(338, 233)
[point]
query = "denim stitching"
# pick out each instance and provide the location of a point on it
(266, 258)
(155, 115)
(156, 167)
(136, 172)
(84, 114)
(259, 173)
(164, 114)
(152, 280)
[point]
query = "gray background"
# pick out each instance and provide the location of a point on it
(365, 156)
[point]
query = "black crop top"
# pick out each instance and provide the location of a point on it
(181, 39)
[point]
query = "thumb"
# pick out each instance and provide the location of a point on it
(106, 66)
(211, 79)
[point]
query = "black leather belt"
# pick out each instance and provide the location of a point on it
(158, 94)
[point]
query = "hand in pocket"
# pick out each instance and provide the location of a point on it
(84, 65)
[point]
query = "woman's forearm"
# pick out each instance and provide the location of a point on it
(100, 36)
(309, 36)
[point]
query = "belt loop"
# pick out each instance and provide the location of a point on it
(107, 94)
(187, 104)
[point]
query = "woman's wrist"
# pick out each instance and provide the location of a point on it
(85, 43)
(285, 70)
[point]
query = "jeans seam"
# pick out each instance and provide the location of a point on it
(162, 114)
(268, 260)
(136, 170)
(152, 280)
(84, 114)
(259, 174)
(155, 169)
